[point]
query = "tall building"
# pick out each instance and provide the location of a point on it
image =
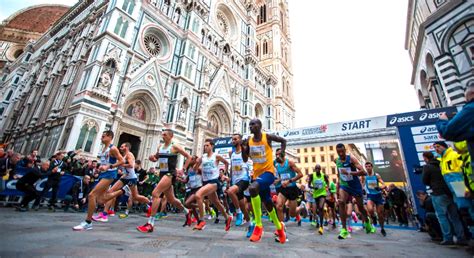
(440, 42)
(203, 68)
(325, 156)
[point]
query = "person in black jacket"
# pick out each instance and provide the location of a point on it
(77, 196)
(7, 166)
(443, 203)
(54, 177)
(431, 221)
(26, 183)
(399, 201)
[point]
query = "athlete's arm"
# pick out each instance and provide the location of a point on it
(130, 161)
(245, 150)
(381, 182)
(326, 178)
(281, 140)
(154, 157)
(186, 155)
(116, 153)
(226, 163)
(360, 170)
(293, 167)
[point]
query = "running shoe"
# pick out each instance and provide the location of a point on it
(239, 219)
(213, 213)
(127, 190)
(147, 228)
(257, 234)
(188, 221)
(148, 211)
(228, 222)
(354, 217)
(250, 229)
(298, 220)
(111, 213)
(100, 217)
(313, 223)
(201, 225)
(369, 228)
(123, 215)
(83, 226)
(216, 221)
(282, 234)
(343, 234)
(349, 228)
(383, 232)
(164, 215)
(326, 223)
(193, 220)
(321, 230)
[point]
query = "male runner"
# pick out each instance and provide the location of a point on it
(128, 181)
(240, 180)
(319, 183)
(289, 173)
(167, 156)
(375, 184)
(331, 202)
(349, 170)
(110, 160)
(259, 149)
(193, 183)
(210, 177)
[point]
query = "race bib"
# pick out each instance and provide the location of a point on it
(344, 177)
(372, 184)
(163, 164)
(318, 184)
(285, 176)
(257, 153)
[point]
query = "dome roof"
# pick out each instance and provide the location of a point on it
(38, 18)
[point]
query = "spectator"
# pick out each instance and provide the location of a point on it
(442, 198)
(399, 201)
(461, 148)
(26, 184)
(78, 194)
(3, 154)
(90, 168)
(7, 168)
(431, 221)
(461, 126)
(141, 175)
(54, 177)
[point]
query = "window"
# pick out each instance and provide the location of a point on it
(9, 95)
(121, 27)
(262, 16)
(305, 150)
(331, 148)
(333, 170)
(16, 80)
(297, 150)
(324, 170)
(128, 6)
(305, 159)
(313, 149)
(321, 148)
(332, 157)
(256, 49)
(322, 158)
(307, 171)
(86, 137)
(265, 47)
(314, 159)
(195, 25)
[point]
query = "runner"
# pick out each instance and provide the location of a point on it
(193, 182)
(319, 182)
(110, 160)
(240, 181)
(310, 202)
(349, 185)
(289, 173)
(375, 184)
(128, 182)
(331, 203)
(167, 156)
(259, 149)
(209, 163)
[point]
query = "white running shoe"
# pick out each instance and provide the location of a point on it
(83, 226)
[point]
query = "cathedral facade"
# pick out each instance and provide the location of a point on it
(203, 68)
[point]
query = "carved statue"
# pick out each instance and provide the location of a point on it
(105, 80)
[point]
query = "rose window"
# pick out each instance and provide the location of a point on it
(152, 44)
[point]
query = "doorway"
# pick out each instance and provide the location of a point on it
(133, 140)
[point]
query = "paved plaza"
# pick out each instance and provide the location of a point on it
(44, 233)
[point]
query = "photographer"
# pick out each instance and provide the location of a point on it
(7, 168)
(54, 177)
(77, 196)
(26, 183)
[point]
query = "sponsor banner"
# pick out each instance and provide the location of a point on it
(342, 128)
(222, 142)
(66, 183)
(426, 138)
(427, 129)
(418, 117)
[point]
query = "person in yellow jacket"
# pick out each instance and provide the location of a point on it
(461, 148)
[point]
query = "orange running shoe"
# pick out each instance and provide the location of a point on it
(257, 234)
(201, 225)
(282, 234)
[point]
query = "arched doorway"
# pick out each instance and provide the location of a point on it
(218, 122)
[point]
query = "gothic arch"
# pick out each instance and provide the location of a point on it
(219, 121)
(452, 30)
(141, 105)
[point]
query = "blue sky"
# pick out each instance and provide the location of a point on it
(348, 57)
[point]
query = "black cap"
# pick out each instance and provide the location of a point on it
(442, 143)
